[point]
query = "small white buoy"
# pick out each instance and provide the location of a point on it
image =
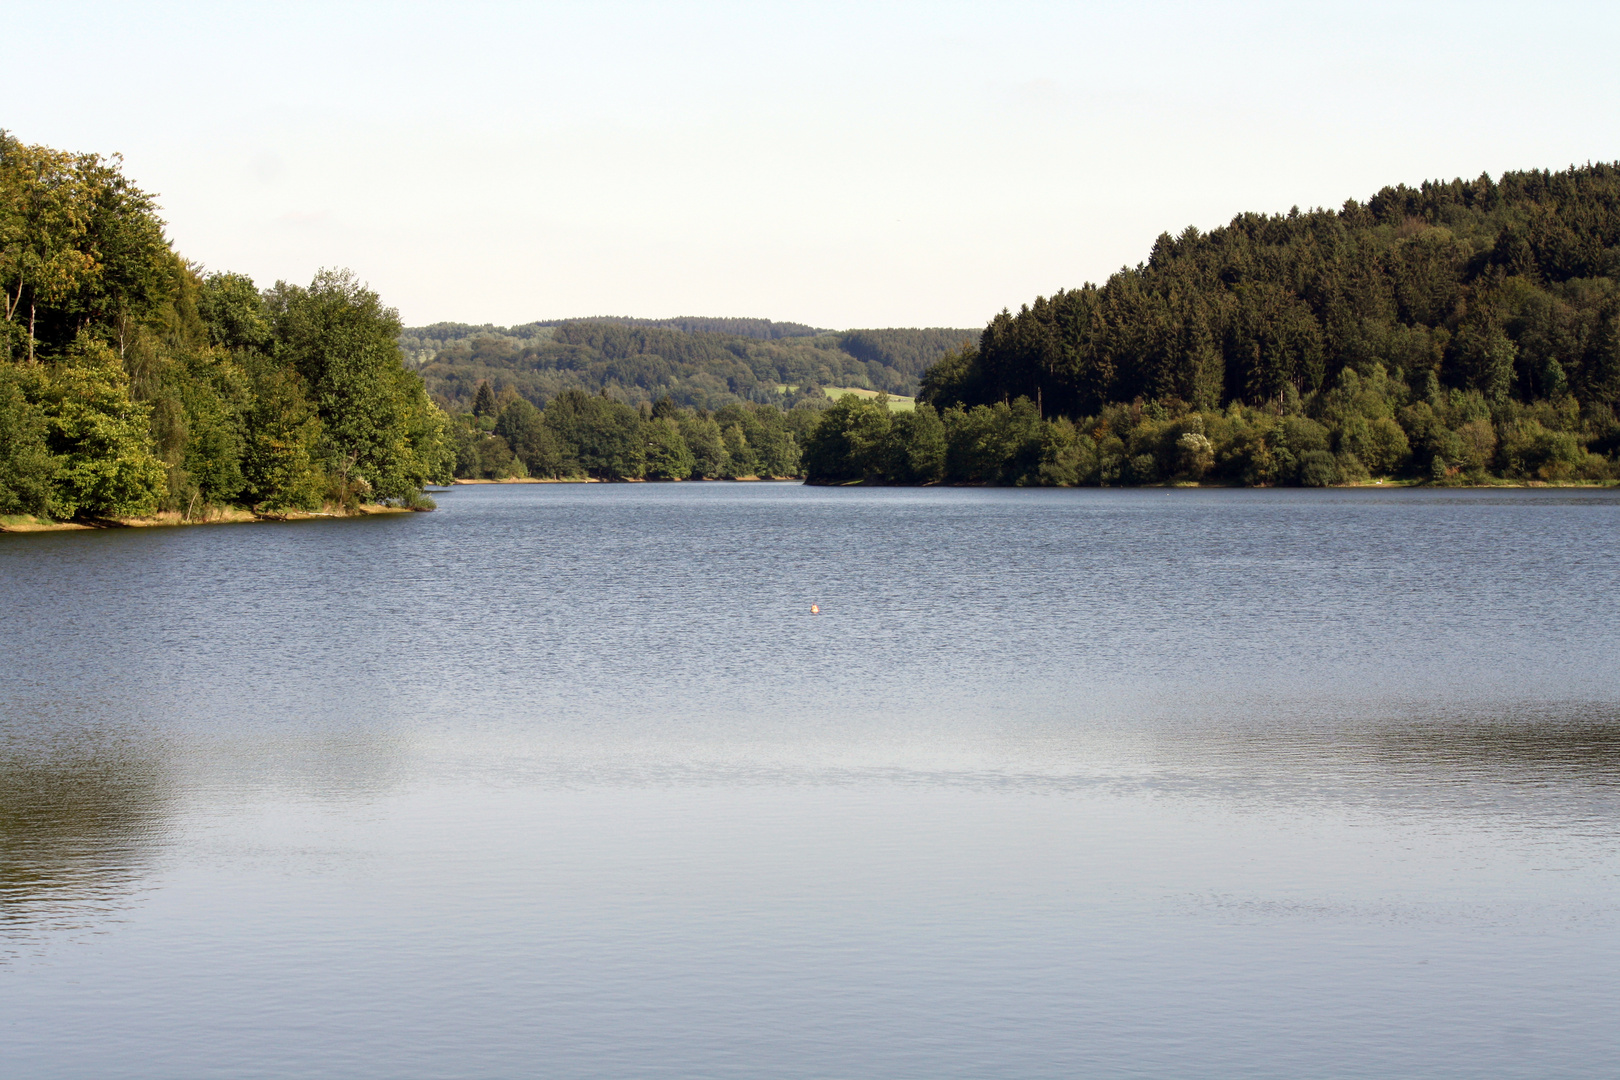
(814, 610)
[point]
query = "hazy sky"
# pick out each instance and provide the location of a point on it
(837, 164)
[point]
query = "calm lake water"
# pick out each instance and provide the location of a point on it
(567, 781)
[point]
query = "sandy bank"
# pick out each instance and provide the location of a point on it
(534, 480)
(24, 523)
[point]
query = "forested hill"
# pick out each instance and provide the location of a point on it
(1506, 288)
(696, 362)
(422, 343)
(1452, 332)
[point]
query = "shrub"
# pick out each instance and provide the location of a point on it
(1318, 469)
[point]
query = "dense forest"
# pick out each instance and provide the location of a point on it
(422, 343)
(1455, 332)
(696, 363)
(133, 382)
(577, 434)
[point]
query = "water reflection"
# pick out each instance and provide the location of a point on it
(1515, 767)
(84, 817)
(79, 827)
(1534, 746)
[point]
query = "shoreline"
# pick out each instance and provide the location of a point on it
(1424, 485)
(26, 523)
(628, 480)
(169, 519)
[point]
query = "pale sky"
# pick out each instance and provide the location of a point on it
(838, 164)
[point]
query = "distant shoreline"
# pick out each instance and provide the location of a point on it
(627, 480)
(1429, 485)
(1421, 485)
(23, 523)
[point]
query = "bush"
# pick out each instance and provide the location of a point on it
(1142, 469)
(1595, 467)
(1318, 469)
(1530, 451)
(1385, 447)
(1478, 442)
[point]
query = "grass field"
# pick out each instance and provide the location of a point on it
(896, 404)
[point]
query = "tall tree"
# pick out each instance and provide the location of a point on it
(381, 433)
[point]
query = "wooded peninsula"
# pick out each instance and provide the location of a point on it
(1459, 332)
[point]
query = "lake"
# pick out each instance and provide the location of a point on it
(567, 781)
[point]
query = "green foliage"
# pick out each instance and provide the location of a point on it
(602, 436)
(703, 438)
(28, 469)
(953, 379)
(759, 441)
(383, 436)
(910, 352)
(994, 444)
(1530, 451)
(484, 400)
(836, 451)
(482, 454)
(130, 382)
(524, 429)
(666, 453)
(1449, 332)
(696, 363)
(1451, 440)
(591, 435)
(80, 246)
(1318, 469)
(282, 443)
(234, 314)
(862, 440)
(99, 435)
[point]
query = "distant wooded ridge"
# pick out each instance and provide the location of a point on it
(764, 329)
(695, 362)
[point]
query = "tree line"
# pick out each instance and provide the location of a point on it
(132, 381)
(1360, 430)
(696, 363)
(1453, 332)
(597, 436)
